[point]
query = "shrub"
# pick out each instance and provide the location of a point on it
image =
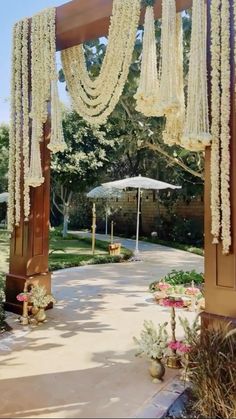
(175, 278)
(180, 230)
(184, 277)
(213, 376)
(2, 299)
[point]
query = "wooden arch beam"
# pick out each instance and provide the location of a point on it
(81, 20)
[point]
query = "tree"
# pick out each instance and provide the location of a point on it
(88, 154)
(4, 144)
(140, 148)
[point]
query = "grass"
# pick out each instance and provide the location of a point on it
(69, 252)
(66, 253)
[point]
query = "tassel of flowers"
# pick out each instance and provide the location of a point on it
(196, 131)
(147, 96)
(175, 120)
(225, 129)
(215, 119)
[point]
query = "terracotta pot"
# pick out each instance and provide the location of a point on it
(157, 369)
(40, 316)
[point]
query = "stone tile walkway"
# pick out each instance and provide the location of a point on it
(81, 362)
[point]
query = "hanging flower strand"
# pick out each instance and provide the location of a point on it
(11, 172)
(175, 120)
(25, 110)
(18, 114)
(44, 88)
(39, 44)
(215, 120)
(196, 131)
(225, 128)
(147, 96)
(169, 100)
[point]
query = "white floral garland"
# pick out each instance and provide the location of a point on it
(12, 143)
(44, 87)
(215, 119)
(44, 78)
(25, 110)
(147, 96)
(169, 100)
(221, 108)
(196, 134)
(175, 120)
(225, 128)
(95, 99)
(18, 113)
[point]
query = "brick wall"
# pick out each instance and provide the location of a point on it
(124, 211)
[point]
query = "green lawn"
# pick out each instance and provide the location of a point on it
(65, 253)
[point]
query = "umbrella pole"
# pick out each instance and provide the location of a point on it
(93, 228)
(137, 226)
(106, 231)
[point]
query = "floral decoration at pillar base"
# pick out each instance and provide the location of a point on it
(24, 297)
(153, 344)
(40, 300)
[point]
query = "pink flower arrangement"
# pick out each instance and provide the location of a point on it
(23, 297)
(163, 286)
(179, 346)
(172, 302)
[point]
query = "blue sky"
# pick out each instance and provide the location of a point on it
(12, 11)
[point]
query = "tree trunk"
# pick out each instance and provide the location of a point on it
(65, 221)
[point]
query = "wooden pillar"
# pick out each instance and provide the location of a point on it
(220, 270)
(30, 241)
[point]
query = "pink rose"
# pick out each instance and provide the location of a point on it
(163, 286)
(22, 297)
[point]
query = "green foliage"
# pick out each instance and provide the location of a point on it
(178, 279)
(181, 230)
(213, 376)
(70, 261)
(4, 145)
(39, 297)
(190, 330)
(153, 340)
(2, 299)
(74, 251)
(86, 156)
(146, 3)
(183, 277)
(81, 212)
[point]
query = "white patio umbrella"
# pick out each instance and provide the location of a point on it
(105, 193)
(139, 182)
(4, 197)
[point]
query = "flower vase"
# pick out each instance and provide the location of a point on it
(40, 316)
(157, 369)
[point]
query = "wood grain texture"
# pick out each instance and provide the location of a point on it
(220, 270)
(82, 20)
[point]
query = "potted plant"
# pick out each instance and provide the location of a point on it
(153, 344)
(40, 299)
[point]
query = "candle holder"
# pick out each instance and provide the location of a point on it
(173, 360)
(24, 297)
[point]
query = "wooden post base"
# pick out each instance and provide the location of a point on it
(15, 285)
(214, 321)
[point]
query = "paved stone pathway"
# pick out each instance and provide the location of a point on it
(81, 362)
